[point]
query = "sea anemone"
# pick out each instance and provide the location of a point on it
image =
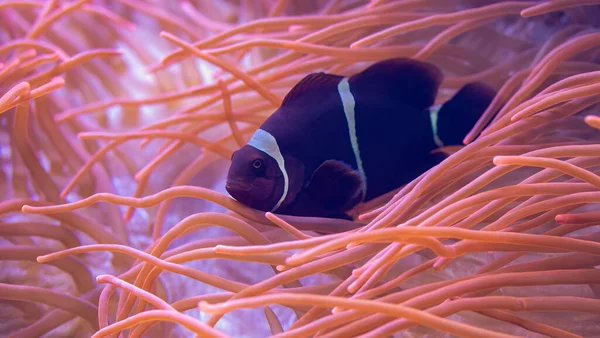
(118, 120)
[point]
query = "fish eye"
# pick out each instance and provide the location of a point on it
(257, 163)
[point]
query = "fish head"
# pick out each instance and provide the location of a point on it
(254, 179)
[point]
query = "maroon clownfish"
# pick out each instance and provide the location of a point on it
(337, 141)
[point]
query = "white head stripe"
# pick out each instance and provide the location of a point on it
(264, 141)
(433, 116)
(349, 103)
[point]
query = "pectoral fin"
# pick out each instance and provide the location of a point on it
(335, 185)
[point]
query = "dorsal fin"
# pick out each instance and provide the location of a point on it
(413, 82)
(311, 86)
(458, 116)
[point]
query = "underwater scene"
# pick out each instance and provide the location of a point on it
(299, 168)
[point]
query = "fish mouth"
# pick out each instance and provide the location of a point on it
(237, 186)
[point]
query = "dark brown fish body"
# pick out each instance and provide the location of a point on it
(336, 141)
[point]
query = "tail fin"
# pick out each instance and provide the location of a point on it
(457, 116)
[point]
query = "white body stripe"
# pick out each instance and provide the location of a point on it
(349, 103)
(433, 116)
(264, 141)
